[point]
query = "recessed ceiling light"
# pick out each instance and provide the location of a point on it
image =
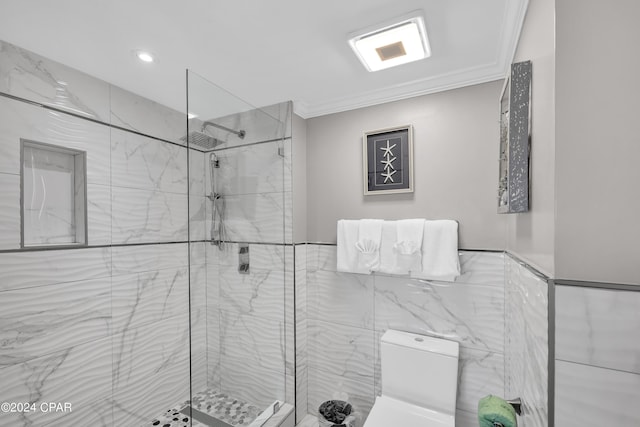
(144, 56)
(191, 116)
(387, 45)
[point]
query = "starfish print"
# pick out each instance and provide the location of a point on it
(387, 163)
(387, 150)
(388, 176)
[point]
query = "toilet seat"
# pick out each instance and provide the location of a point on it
(387, 412)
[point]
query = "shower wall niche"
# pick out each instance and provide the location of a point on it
(54, 195)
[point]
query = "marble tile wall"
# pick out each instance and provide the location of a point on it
(29, 76)
(246, 323)
(302, 335)
(290, 325)
(53, 333)
(527, 342)
(212, 255)
(198, 321)
(268, 123)
(348, 313)
(255, 182)
(597, 356)
(32, 77)
(104, 327)
(199, 205)
(80, 375)
(141, 115)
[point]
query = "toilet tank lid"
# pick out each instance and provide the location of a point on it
(421, 342)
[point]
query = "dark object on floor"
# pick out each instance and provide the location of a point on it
(335, 411)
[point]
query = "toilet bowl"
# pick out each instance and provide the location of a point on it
(419, 382)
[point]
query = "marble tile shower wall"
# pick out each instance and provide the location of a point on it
(301, 338)
(527, 342)
(255, 181)
(246, 326)
(269, 123)
(348, 313)
(102, 327)
(597, 362)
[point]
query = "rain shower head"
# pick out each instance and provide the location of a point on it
(201, 139)
(240, 133)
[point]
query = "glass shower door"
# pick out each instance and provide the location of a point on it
(241, 323)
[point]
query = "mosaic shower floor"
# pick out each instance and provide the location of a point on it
(213, 404)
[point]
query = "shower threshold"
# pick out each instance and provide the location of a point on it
(211, 408)
(203, 417)
(211, 421)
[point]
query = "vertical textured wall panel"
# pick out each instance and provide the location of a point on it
(527, 342)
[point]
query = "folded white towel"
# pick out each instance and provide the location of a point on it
(348, 255)
(440, 260)
(368, 244)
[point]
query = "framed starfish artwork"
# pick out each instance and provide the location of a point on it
(387, 161)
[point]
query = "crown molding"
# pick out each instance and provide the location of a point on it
(455, 80)
(514, 15)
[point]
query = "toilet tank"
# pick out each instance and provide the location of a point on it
(420, 370)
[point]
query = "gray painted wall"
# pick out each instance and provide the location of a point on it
(582, 224)
(530, 235)
(597, 141)
(455, 165)
(299, 181)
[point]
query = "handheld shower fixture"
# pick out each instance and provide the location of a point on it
(218, 230)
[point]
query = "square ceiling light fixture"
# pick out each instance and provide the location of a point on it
(395, 42)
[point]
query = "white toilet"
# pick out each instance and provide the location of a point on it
(419, 382)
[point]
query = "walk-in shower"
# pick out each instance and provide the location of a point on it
(241, 332)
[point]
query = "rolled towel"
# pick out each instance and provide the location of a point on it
(496, 412)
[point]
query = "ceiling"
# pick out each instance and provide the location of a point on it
(266, 52)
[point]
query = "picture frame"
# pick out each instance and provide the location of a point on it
(387, 161)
